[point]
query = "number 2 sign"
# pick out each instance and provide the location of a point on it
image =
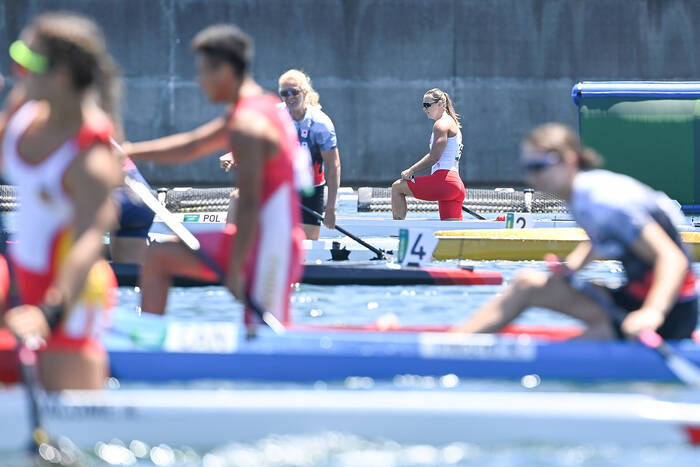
(519, 220)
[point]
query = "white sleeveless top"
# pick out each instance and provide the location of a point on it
(450, 156)
(46, 209)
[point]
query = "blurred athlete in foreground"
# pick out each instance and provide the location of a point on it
(55, 150)
(626, 221)
(261, 253)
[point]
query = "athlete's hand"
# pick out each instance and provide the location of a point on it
(226, 161)
(646, 318)
(329, 218)
(27, 322)
(555, 265)
(407, 174)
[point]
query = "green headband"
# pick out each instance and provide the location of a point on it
(27, 58)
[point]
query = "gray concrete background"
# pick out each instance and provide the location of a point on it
(508, 64)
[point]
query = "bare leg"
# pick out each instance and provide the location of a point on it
(399, 191)
(127, 249)
(162, 262)
(312, 232)
(71, 370)
(537, 289)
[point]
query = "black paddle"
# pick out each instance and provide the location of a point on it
(377, 251)
(41, 443)
(469, 211)
(27, 364)
(684, 369)
(191, 242)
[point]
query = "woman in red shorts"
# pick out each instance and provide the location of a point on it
(443, 184)
(54, 148)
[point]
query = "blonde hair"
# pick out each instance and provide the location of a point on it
(442, 96)
(559, 138)
(302, 80)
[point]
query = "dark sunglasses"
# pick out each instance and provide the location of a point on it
(540, 162)
(290, 92)
(426, 105)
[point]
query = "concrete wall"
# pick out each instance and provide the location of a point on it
(508, 64)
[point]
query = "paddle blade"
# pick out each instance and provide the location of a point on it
(684, 369)
(274, 324)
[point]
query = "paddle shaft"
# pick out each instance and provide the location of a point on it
(27, 364)
(684, 369)
(380, 254)
(189, 240)
(469, 211)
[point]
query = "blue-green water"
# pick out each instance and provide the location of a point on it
(412, 305)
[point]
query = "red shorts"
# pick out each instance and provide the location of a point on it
(9, 365)
(57, 342)
(4, 282)
(269, 271)
(443, 186)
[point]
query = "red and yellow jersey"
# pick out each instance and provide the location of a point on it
(44, 235)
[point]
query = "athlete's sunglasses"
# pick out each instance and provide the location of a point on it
(290, 92)
(536, 163)
(426, 105)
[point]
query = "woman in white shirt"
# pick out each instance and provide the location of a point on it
(443, 184)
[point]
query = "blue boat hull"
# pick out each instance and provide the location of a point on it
(308, 356)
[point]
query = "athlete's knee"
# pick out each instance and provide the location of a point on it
(528, 282)
(155, 256)
(399, 186)
(312, 232)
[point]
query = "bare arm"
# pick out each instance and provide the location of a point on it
(670, 267)
(182, 147)
(331, 159)
(440, 134)
(580, 256)
(89, 182)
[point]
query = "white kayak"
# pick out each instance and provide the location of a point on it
(364, 226)
(205, 418)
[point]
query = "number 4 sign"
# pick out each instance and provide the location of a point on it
(416, 246)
